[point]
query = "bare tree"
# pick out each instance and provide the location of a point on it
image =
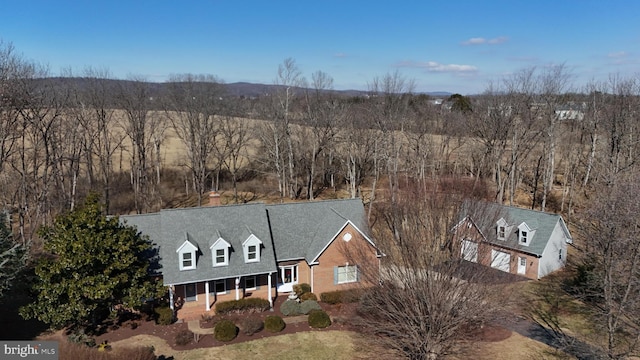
(428, 298)
(610, 274)
(390, 113)
(193, 107)
(322, 113)
(141, 128)
(94, 109)
(235, 137)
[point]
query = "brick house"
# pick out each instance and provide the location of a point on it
(218, 253)
(518, 241)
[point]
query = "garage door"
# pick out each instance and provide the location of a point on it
(470, 250)
(500, 260)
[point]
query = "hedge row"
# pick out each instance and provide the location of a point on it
(341, 296)
(242, 305)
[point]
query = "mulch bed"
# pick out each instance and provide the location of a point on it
(340, 313)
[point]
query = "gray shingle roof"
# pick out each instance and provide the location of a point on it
(542, 223)
(303, 230)
(297, 230)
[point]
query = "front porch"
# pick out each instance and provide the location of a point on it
(191, 301)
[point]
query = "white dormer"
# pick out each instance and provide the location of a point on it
(220, 252)
(251, 249)
(525, 234)
(187, 255)
(502, 231)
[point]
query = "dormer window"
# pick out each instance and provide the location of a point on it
(187, 255)
(525, 234)
(251, 249)
(187, 261)
(252, 252)
(501, 229)
(220, 252)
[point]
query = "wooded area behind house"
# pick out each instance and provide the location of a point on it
(144, 146)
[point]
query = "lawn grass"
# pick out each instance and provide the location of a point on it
(329, 345)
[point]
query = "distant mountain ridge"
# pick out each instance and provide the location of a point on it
(236, 89)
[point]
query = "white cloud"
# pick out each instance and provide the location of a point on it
(340, 55)
(481, 41)
(618, 55)
(433, 66)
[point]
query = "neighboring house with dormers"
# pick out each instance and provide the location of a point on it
(518, 241)
(218, 253)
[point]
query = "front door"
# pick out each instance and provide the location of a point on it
(190, 292)
(287, 277)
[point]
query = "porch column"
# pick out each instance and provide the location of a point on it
(237, 288)
(311, 277)
(270, 297)
(206, 295)
(171, 305)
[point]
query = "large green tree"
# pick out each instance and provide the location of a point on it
(12, 257)
(92, 264)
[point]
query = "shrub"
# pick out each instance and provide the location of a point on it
(308, 296)
(225, 330)
(183, 337)
(243, 305)
(251, 325)
(69, 350)
(301, 289)
(274, 323)
(290, 308)
(80, 337)
(309, 305)
(164, 315)
(104, 346)
(319, 319)
(341, 296)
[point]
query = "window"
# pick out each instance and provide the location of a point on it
(187, 260)
(220, 258)
(346, 274)
(501, 229)
(523, 261)
(218, 287)
(560, 254)
(523, 236)
(252, 252)
(250, 283)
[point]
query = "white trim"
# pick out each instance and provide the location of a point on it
(315, 259)
(252, 240)
(186, 248)
(223, 245)
(525, 239)
(182, 260)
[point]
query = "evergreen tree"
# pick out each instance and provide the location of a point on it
(93, 264)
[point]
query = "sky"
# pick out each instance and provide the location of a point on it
(455, 46)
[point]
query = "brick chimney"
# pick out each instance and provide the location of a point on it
(214, 198)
